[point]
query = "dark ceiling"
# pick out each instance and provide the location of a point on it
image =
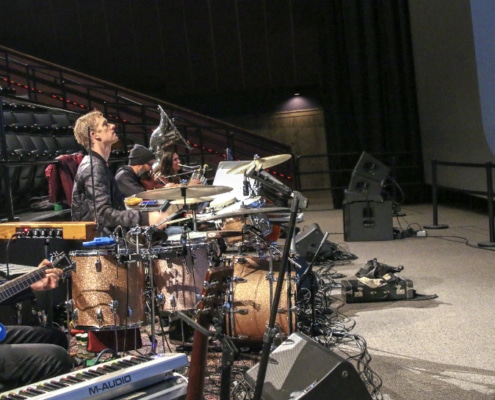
(237, 55)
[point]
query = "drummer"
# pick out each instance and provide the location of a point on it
(95, 189)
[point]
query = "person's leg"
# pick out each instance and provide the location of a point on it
(19, 334)
(23, 364)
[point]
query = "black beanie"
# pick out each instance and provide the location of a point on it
(140, 155)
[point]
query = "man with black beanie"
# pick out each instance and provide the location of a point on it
(129, 177)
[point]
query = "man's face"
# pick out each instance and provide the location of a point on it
(105, 131)
(145, 169)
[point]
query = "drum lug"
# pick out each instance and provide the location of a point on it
(75, 316)
(160, 299)
(99, 315)
(114, 306)
(69, 304)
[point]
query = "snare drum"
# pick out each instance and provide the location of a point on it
(222, 201)
(251, 299)
(107, 290)
(179, 279)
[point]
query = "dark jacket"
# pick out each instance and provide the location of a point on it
(128, 182)
(106, 197)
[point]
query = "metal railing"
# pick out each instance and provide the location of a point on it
(488, 193)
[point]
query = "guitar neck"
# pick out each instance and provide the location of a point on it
(17, 285)
(14, 286)
(210, 305)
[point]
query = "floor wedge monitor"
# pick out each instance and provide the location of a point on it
(301, 368)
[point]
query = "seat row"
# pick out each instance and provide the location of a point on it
(29, 121)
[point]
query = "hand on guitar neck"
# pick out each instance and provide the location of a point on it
(45, 277)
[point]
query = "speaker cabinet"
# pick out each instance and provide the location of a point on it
(368, 221)
(302, 369)
(308, 240)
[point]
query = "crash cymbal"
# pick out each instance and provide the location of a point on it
(244, 212)
(259, 163)
(179, 192)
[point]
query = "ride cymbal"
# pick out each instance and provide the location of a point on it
(259, 163)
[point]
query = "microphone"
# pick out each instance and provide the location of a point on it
(190, 167)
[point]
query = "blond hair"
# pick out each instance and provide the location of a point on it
(83, 123)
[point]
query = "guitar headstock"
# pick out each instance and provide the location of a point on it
(216, 286)
(57, 257)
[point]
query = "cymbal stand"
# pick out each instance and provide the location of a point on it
(148, 234)
(270, 329)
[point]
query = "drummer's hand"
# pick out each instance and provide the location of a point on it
(154, 217)
(194, 182)
(51, 278)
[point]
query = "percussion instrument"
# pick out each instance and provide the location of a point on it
(251, 299)
(259, 163)
(183, 191)
(244, 212)
(179, 279)
(107, 290)
(222, 201)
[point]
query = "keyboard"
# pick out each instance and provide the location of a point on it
(110, 380)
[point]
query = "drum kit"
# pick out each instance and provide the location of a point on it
(125, 284)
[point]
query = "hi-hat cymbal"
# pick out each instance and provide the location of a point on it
(244, 212)
(259, 163)
(179, 192)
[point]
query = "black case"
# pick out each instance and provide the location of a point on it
(354, 291)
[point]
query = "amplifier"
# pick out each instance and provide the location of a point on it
(68, 230)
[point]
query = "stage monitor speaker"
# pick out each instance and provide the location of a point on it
(301, 368)
(308, 237)
(368, 221)
(370, 168)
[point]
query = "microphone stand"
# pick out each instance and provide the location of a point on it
(270, 331)
(307, 272)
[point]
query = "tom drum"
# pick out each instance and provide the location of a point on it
(107, 290)
(179, 278)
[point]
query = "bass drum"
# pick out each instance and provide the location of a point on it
(179, 279)
(107, 290)
(251, 300)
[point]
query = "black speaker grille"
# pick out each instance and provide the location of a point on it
(300, 368)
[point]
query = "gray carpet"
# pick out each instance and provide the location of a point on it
(430, 349)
